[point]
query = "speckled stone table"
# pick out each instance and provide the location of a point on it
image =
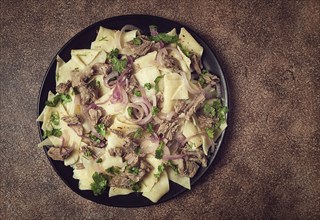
(268, 167)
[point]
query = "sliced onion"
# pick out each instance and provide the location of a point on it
(118, 34)
(139, 109)
(153, 30)
(189, 86)
(160, 55)
(146, 119)
(110, 76)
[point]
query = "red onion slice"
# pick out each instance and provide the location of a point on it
(189, 86)
(107, 79)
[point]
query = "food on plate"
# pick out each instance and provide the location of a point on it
(133, 112)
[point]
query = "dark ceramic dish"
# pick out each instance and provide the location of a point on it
(82, 40)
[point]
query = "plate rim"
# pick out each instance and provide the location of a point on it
(226, 101)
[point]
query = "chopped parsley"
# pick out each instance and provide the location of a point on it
(130, 111)
(155, 110)
(148, 86)
(156, 81)
(137, 41)
(101, 129)
(99, 184)
(94, 138)
(60, 97)
(137, 93)
(173, 166)
(165, 38)
(113, 170)
(54, 118)
(160, 171)
(135, 186)
(87, 152)
(149, 128)
(137, 134)
(137, 150)
(159, 150)
(54, 132)
(134, 170)
(215, 110)
(202, 81)
(99, 160)
(118, 64)
(184, 50)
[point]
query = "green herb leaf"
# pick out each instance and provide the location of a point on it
(134, 170)
(135, 186)
(156, 81)
(160, 171)
(210, 132)
(137, 134)
(64, 98)
(137, 93)
(118, 64)
(173, 166)
(94, 138)
(113, 54)
(103, 38)
(54, 118)
(137, 41)
(159, 150)
(165, 38)
(113, 170)
(150, 128)
(54, 132)
(99, 160)
(155, 110)
(101, 129)
(148, 86)
(130, 111)
(137, 150)
(99, 184)
(184, 50)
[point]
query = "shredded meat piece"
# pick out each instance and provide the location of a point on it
(95, 115)
(101, 68)
(81, 78)
(133, 84)
(188, 169)
(119, 133)
(206, 122)
(211, 79)
(77, 128)
(106, 120)
(60, 153)
(88, 152)
(63, 87)
(171, 62)
(132, 158)
(121, 182)
(196, 63)
(101, 143)
(197, 156)
(72, 120)
(87, 94)
(194, 105)
(143, 48)
(180, 107)
(168, 129)
(116, 151)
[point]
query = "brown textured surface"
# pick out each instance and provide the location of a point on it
(269, 165)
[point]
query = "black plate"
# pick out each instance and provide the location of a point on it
(82, 40)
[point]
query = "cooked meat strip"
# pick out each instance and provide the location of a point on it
(106, 120)
(121, 182)
(190, 169)
(60, 153)
(87, 94)
(101, 68)
(194, 105)
(63, 87)
(196, 63)
(119, 133)
(180, 107)
(206, 122)
(168, 129)
(77, 128)
(210, 79)
(196, 156)
(95, 115)
(81, 78)
(141, 49)
(72, 120)
(171, 62)
(117, 151)
(133, 84)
